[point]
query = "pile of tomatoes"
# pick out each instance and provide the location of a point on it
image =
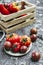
(17, 43)
(20, 44)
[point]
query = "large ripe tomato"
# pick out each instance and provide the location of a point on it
(12, 8)
(13, 38)
(10, 38)
(17, 38)
(25, 40)
(16, 47)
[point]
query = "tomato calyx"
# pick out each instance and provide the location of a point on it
(16, 4)
(15, 46)
(24, 40)
(11, 35)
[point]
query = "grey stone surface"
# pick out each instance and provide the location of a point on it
(37, 46)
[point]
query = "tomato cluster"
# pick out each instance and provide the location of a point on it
(17, 43)
(10, 8)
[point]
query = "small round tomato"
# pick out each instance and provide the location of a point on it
(23, 49)
(35, 56)
(7, 45)
(33, 37)
(33, 31)
(16, 47)
(25, 40)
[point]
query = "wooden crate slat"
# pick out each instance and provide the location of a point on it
(17, 20)
(28, 22)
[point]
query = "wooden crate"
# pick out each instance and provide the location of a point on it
(30, 9)
(12, 22)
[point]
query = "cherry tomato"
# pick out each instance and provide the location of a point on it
(23, 49)
(33, 37)
(7, 45)
(33, 31)
(35, 56)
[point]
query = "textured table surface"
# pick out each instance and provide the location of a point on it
(37, 46)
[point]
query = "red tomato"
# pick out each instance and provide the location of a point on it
(35, 56)
(17, 39)
(7, 45)
(23, 15)
(25, 40)
(13, 38)
(12, 8)
(16, 47)
(23, 49)
(3, 10)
